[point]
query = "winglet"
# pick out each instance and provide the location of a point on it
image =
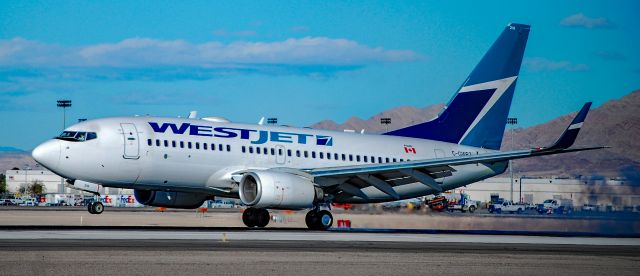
(571, 133)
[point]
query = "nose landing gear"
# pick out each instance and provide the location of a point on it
(95, 208)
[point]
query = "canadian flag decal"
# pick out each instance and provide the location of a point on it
(409, 149)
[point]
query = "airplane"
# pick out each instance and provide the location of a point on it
(181, 162)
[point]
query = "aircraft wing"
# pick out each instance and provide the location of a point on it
(351, 179)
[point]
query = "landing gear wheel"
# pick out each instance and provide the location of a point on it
(248, 217)
(262, 218)
(319, 220)
(311, 219)
(90, 208)
(97, 208)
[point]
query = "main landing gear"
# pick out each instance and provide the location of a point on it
(319, 219)
(259, 217)
(95, 208)
(256, 217)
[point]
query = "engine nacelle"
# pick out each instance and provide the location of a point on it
(180, 200)
(277, 190)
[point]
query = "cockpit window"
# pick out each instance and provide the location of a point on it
(77, 136)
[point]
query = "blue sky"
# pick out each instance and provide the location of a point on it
(300, 61)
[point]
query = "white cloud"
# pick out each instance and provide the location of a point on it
(149, 53)
(582, 21)
(537, 64)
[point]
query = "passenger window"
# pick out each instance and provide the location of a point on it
(313, 154)
(204, 146)
(244, 149)
(229, 148)
(173, 143)
(166, 143)
(250, 149)
(379, 159)
(344, 157)
(306, 154)
(265, 151)
(387, 159)
(273, 151)
(258, 150)
(289, 152)
(157, 142)
(213, 146)
(401, 160)
(321, 155)
(219, 147)
(197, 145)
(358, 158)
(298, 153)
(182, 144)
(329, 155)
(351, 157)
(189, 145)
(149, 142)
(394, 160)
(280, 152)
(366, 160)
(335, 156)
(373, 159)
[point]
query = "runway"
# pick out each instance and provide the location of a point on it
(286, 252)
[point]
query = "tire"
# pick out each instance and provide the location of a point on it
(97, 207)
(499, 211)
(90, 208)
(248, 217)
(472, 209)
(262, 218)
(325, 220)
(311, 219)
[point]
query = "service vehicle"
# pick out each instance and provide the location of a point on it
(507, 206)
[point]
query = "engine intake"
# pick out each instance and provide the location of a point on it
(267, 189)
(180, 200)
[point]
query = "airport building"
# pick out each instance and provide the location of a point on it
(607, 192)
(604, 192)
(53, 183)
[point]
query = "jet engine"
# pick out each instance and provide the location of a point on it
(277, 190)
(180, 200)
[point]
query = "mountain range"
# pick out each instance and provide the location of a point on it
(616, 124)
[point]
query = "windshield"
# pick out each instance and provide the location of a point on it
(548, 201)
(77, 136)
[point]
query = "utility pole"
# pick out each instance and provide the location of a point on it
(386, 122)
(511, 122)
(64, 104)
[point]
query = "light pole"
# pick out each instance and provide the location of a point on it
(81, 120)
(64, 104)
(272, 121)
(511, 122)
(386, 122)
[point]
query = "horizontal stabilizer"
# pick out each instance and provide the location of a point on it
(571, 133)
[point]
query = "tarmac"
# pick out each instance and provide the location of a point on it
(297, 252)
(72, 242)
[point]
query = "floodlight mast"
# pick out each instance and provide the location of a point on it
(64, 104)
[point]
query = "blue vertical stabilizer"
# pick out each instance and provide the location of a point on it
(477, 115)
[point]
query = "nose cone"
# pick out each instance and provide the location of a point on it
(48, 154)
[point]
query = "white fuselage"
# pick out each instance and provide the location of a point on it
(129, 153)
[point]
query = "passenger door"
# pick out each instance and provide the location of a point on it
(131, 141)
